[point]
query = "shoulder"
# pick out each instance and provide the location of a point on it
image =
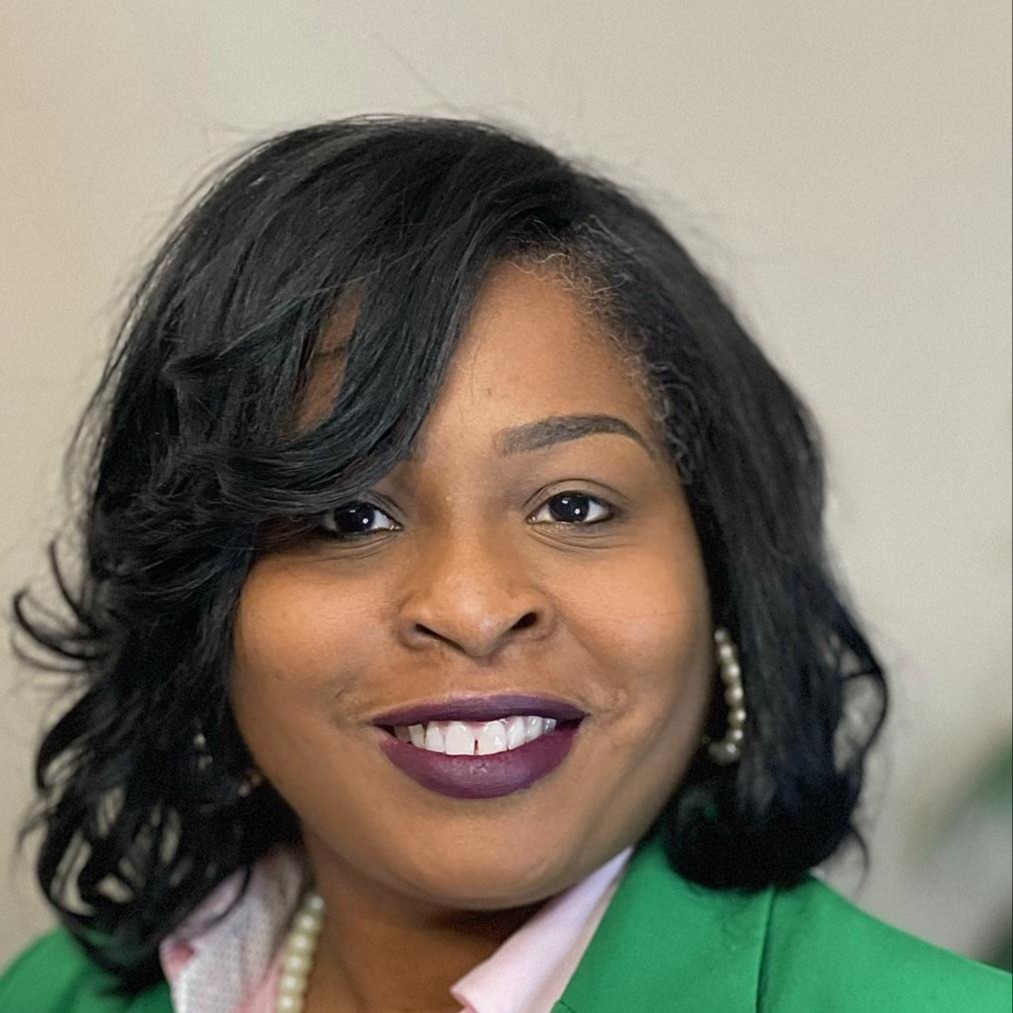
(823, 952)
(54, 975)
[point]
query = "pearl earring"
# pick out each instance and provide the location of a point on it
(729, 749)
(251, 781)
(204, 760)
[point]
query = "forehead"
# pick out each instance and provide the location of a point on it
(530, 349)
(520, 309)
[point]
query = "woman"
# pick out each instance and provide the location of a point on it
(455, 630)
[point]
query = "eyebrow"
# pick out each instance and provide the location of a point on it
(555, 429)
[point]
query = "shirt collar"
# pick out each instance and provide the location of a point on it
(212, 966)
(529, 971)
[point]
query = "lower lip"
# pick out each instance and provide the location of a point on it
(481, 776)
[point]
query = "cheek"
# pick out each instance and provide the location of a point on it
(296, 645)
(644, 631)
(302, 641)
(644, 626)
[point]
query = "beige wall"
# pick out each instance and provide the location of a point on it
(843, 166)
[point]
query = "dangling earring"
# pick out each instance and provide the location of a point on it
(729, 749)
(251, 780)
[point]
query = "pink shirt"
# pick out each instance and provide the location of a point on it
(233, 966)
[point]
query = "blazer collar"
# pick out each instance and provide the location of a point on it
(665, 943)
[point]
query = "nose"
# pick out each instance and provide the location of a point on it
(471, 596)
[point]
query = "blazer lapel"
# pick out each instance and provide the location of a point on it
(665, 945)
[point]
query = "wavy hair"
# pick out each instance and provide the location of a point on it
(186, 454)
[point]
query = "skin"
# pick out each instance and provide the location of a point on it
(421, 888)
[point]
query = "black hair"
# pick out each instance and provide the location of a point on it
(188, 453)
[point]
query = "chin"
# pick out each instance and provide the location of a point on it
(469, 875)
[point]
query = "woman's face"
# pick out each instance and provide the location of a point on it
(473, 577)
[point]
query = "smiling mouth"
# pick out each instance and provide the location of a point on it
(421, 737)
(455, 759)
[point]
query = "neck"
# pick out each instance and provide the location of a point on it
(381, 951)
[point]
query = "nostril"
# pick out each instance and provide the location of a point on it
(526, 620)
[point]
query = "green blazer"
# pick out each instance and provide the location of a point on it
(664, 945)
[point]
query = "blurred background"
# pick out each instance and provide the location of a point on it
(842, 169)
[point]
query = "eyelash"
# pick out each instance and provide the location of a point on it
(611, 510)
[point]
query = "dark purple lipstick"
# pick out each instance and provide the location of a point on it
(490, 775)
(481, 776)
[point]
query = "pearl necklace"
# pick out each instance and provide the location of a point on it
(297, 956)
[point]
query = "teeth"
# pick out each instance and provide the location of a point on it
(474, 738)
(516, 732)
(492, 738)
(459, 741)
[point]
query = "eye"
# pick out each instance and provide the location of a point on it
(352, 520)
(573, 508)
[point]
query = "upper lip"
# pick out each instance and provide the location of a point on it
(480, 708)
